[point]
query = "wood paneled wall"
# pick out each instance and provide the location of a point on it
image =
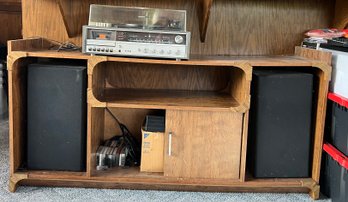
(10, 20)
(341, 14)
(238, 27)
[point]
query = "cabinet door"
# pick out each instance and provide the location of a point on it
(203, 144)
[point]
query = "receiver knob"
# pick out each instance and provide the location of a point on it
(179, 39)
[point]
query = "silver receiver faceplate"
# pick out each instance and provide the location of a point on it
(136, 43)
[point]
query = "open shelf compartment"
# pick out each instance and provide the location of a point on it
(170, 86)
(18, 74)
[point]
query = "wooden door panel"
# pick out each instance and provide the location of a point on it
(203, 144)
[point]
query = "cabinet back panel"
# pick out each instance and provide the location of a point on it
(132, 118)
(144, 76)
(238, 27)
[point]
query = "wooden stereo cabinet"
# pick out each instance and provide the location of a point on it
(205, 100)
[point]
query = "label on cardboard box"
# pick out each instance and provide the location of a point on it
(152, 152)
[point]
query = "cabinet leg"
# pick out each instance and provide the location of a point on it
(12, 187)
(14, 180)
(315, 192)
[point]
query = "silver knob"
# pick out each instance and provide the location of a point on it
(179, 39)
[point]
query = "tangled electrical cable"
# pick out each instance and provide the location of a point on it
(60, 46)
(132, 144)
(66, 46)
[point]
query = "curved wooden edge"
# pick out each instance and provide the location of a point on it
(93, 61)
(247, 68)
(245, 102)
(320, 59)
(14, 180)
(13, 57)
(325, 68)
(94, 102)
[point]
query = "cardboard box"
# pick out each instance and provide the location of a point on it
(152, 151)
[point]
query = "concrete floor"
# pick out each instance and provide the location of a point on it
(46, 194)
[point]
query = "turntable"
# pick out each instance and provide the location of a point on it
(137, 32)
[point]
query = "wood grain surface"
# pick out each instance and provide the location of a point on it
(171, 77)
(95, 136)
(117, 182)
(10, 20)
(204, 7)
(203, 145)
(132, 118)
(101, 126)
(312, 54)
(323, 70)
(171, 99)
(341, 14)
(18, 111)
(172, 86)
(39, 47)
(239, 27)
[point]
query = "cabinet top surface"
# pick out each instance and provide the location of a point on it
(194, 59)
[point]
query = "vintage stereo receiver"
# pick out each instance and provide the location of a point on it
(137, 32)
(137, 43)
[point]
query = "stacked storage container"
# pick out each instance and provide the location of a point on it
(334, 178)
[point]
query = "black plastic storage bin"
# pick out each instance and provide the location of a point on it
(339, 123)
(280, 124)
(334, 176)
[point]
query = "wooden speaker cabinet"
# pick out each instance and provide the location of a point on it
(205, 100)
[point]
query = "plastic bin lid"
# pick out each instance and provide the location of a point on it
(338, 156)
(338, 99)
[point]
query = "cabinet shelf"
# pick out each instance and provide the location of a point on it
(170, 86)
(170, 99)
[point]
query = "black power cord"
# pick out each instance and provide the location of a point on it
(60, 46)
(66, 46)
